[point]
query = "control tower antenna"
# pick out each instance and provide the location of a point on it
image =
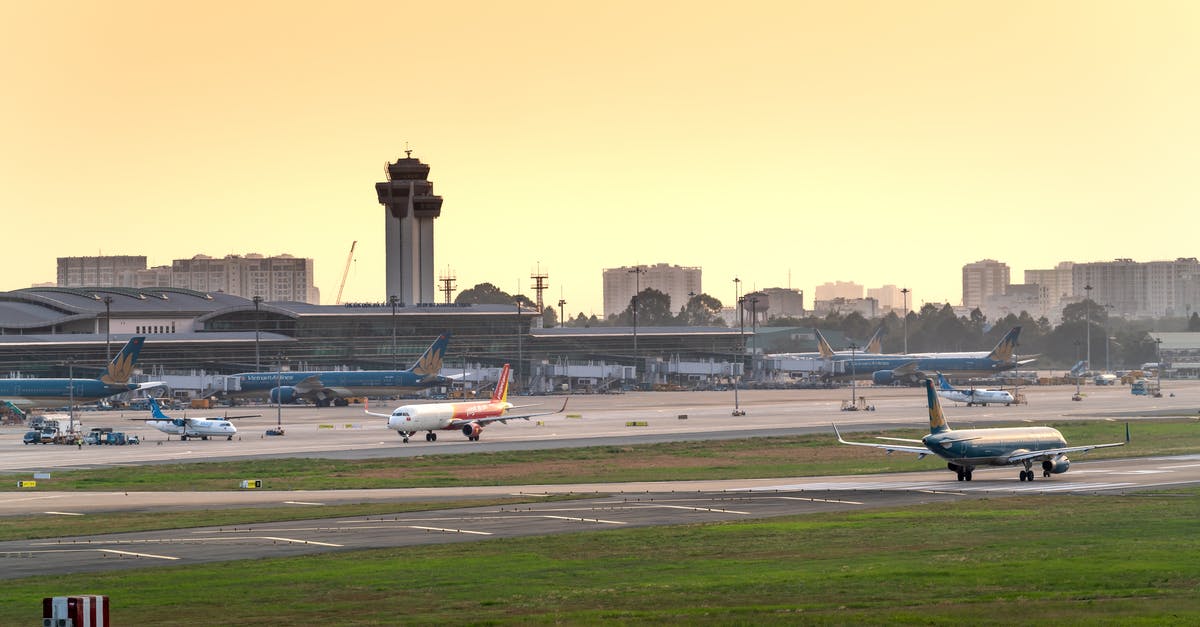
(539, 285)
(447, 281)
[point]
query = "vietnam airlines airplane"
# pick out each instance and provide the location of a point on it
(469, 417)
(203, 428)
(331, 387)
(973, 396)
(1006, 446)
(912, 368)
(26, 394)
(825, 351)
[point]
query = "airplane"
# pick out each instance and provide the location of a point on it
(325, 388)
(27, 394)
(973, 396)
(912, 368)
(874, 346)
(1079, 370)
(469, 417)
(1003, 446)
(203, 428)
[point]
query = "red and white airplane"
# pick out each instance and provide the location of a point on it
(469, 417)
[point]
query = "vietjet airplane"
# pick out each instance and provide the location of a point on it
(469, 417)
(185, 428)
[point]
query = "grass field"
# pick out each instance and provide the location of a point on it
(793, 456)
(1046, 559)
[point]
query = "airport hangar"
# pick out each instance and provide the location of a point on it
(59, 332)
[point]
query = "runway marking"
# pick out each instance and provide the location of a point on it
(694, 509)
(302, 503)
(130, 553)
(576, 518)
(476, 533)
(941, 492)
(114, 551)
(1140, 472)
(36, 498)
(1180, 466)
(800, 498)
(64, 513)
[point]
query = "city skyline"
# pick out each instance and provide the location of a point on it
(788, 145)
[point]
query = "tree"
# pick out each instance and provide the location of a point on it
(549, 318)
(653, 309)
(1086, 309)
(1194, 322)
(484, 294)
(701, 310)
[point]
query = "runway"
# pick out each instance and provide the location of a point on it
(599, 507)
(348, 433)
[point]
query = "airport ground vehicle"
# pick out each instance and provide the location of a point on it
(32, 437)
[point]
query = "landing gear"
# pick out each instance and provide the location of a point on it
(340, 402)
(964, 474)
(431, 437)
(404, 435)
(1027, 474)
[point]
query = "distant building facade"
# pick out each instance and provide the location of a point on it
(1155, 289)
(677, 282)
(982, 279)
(784, 302)
(275, 279)
(102, 271)
(867, 307)
(1055, 290)
(838, 289)
(890, 299)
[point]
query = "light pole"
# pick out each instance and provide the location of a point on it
(1077, 377)
(520, 332)
(853, 377)
(737, 283)
(392, 300)
(257, 300)
(636, 271)
(71, 394)
(562, 313)
(905, 292)
(279, 397)
(1087, 313)
(107, 328)
(1159, 369)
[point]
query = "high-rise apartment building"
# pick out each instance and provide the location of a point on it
(105, 271)
(282, 278)
(1134, 289)
(981, 279)
(677, 282)
(890, 298)
(848, 290)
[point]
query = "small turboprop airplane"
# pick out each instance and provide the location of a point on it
(972, 396)
(203, 428)
(1007, 446)
(469, 417)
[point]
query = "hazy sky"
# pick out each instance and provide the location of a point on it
(779, 142)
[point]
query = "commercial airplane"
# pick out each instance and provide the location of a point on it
(203, 428)
(27, 394)
(972, 396)
(1008, 446)
(912, 368)
(874, 346)
(324, 388)
(469, 417)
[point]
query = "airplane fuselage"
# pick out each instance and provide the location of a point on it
(48, 393)
(977, 397)
(991, 447)
(439, 416)
(195, 428)
(343, 382)
(863, 366)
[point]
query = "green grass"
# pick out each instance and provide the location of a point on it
(792, 456)
(1044, 559)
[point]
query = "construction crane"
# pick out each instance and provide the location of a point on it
(345, 272)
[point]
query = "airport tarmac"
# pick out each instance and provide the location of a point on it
(590, 420)
(599, 507)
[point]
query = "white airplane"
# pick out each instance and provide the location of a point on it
(469, 417)
(973, 396)
(203, 428)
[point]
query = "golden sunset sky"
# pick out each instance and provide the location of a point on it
(779, 142)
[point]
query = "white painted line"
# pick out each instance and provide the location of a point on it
(595, 520)
(799, 498)
(694, 509)
(1180, 466)
(476, 533)
(301, 503)
(64, 513)
(292, 540)
(940, 492)
(157, 557)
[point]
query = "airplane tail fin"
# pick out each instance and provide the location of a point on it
(156, 409)
(875, 344)
(823, 347)
(121, 366)
(1006, 348)
(500, 394)
(943, 384)
(937, 419)
(430, 362)
(1078, 369)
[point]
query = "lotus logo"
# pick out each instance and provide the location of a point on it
(1005, 352)
(119, 370)
(429, 364)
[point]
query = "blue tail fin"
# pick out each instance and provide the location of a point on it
(156, 410)
(823, 347)
(121, 367)
(937, 420)
(1006, 348)
(430, 363)
(1078, 369)
(943, 384)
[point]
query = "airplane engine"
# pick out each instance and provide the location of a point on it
(178, 422)
(285, 394)
(472, 430)
(1057, 465)
(884, 377)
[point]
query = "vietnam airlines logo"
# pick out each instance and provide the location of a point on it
(1005, 352)
(429, 364)
(119, 370)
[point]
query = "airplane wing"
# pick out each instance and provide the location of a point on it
(1055, 452)
(457, 424)
(309, 384)
(921, 451)
(150, 385)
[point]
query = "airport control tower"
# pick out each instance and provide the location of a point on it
(409, 210)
